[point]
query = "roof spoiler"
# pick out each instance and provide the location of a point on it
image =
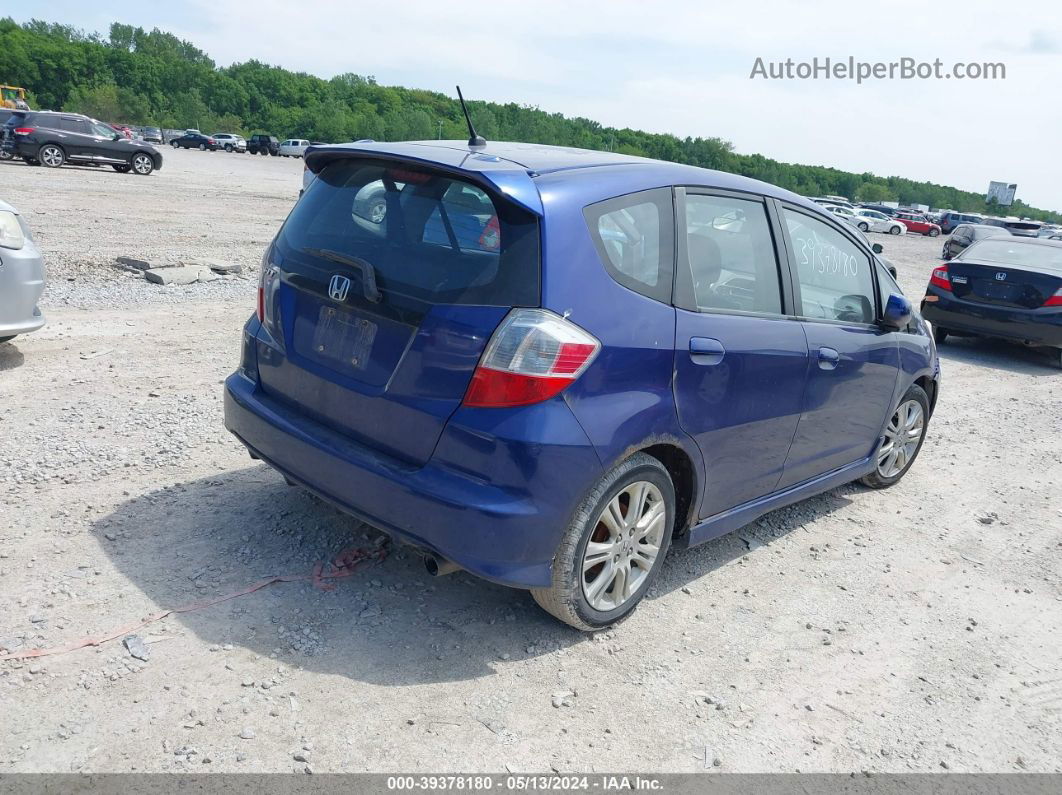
(493, 173)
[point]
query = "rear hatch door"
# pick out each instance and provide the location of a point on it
(390, 280)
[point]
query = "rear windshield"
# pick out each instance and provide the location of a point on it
(1006, 251)
(428, 237)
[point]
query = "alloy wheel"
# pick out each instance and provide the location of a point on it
(51, 156)
(623, 546)
(901, 439)
(142, 164)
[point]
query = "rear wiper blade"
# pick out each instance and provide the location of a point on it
(368, 272)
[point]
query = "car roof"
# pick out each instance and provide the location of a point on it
(1033, 241)
(525, 171)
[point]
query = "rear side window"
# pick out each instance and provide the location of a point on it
(731, 254)
(635, 239)
(429, 238)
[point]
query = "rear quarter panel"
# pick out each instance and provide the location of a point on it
(624, 400)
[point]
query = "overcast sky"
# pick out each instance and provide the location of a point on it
(683, 68)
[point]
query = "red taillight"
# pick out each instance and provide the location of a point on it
(533, 356)
(1055, 300)
(940, 278)
(268, 285)
(24, 130)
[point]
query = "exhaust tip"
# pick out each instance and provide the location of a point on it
(439, 567)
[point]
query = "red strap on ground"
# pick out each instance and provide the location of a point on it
(342, 566)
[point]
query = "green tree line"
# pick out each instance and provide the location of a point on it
(135, 76)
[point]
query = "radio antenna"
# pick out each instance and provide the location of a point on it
(475, 140)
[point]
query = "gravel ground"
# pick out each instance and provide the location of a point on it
(918, 628)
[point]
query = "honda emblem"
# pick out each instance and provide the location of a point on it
(1001, 276)
(338, 288)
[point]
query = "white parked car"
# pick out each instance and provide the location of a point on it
(230, 142)
(293, 147)
(873, 221)
(847, 213)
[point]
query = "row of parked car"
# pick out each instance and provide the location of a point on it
(874, 218)
(259, 143)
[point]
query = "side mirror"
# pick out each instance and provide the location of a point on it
(897, 313)
(877, 248)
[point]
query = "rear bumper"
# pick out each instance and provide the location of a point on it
(1034, 326)
(495, 504)
(21, 285)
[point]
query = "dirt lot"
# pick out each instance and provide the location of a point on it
(918, 628)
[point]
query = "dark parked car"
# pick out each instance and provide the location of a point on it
(948, 221)
(462, 370)
(967, 234)
(195, 141)
(1008, 287)
(884, 209)
(51, 139)
(5, 114)
(153, 135)
(259, 144)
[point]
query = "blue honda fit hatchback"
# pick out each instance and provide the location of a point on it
(546, 366)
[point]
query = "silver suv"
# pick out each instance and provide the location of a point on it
(230, 142)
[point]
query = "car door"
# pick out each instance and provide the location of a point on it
(76, 137)
(105, 147)
(740, 362)
(853, 362)
(960, 239)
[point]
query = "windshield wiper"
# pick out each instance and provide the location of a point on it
(368, 272)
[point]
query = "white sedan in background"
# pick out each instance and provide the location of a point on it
(293, 147)
(873, 221)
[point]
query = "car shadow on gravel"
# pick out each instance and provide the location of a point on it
(997, 354)
(390, 623)
(10, 356)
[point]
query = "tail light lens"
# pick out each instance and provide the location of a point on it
(940, 278)
(1055, 300)
(267, 295)
(24, 130)
(533, 356)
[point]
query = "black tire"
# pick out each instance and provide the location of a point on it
(142, 164)
(565, 599)
(863, 226)
(202, 147)
(6, 155)
(1056, 357)
(933, 233)
(875, 479)
(51, 156)
(939, 335)
(895, 230)
(945, 253)
(121, 169)
(175, 145)
(228, 147)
